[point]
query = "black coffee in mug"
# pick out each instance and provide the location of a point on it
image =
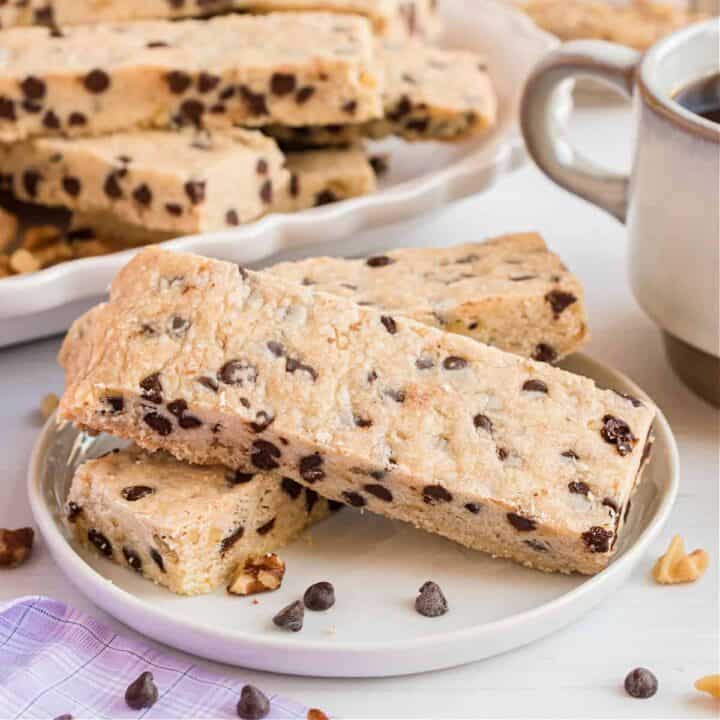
(702, 97)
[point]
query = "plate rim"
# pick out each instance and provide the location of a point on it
(105, 594)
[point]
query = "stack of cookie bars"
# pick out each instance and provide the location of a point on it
(418, 384)
(149, 120)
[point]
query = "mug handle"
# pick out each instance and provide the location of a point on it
(555, 156)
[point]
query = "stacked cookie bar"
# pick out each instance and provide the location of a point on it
(155, 119)
(333, 375)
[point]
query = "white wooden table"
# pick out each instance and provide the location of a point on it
(579, 671)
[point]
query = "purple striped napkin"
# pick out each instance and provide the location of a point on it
(55, 660)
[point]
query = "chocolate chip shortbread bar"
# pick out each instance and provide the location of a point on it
(500, 453)
(430, 94)
(289, 68)
(510, 292)
(161, 180)
(183, 526)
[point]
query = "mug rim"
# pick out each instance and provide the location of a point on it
(666, 105)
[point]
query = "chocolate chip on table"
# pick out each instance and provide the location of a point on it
(132, 559)
(521, 523)
(264, 455)
(431, 601)
(641, 683)
(159, 423)
(483, 422)
(100, 542)
(433, 494)
(597, 539)
(15, 546)
(96, 81)
(354, 499)
(578, 487)
(319, 596)
(616, 431)
(142, 693)
(544, 353)
(559, 301)
(535, 386)
(253, 705)
(453, 362)
(291, 617)
(379, 491)
(133, 493)
(379, 261)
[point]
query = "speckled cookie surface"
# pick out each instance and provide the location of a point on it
(497, 452)
(183, 526)
(291, 68)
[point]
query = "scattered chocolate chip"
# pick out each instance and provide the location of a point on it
(96, 81)
(100, 542)
(433, 494)
(291, 617)
(578, 487)
(152, 389)
(319, 596)
(132, 559)
(454, 363)
(521, 523)
(424, 363)
(354, 498)
(291, 488)
(230, 540)
(379, 261)
(311, 468)
(195, 190)
(265, 528)
(282, 83)
(641, 683)
(159, 423)
(157, 559)
(535, 386)
(597, 539)
(474, 508)
(237, 372)
(178, 81)
(617, 432)
(142, 693)
(133, 493)
(379, 491)
(559, 300)
(253, 705)
(73, 510)
(389, 323)
(15, 546)
(483, 422)
(431, 601)
(544, 353)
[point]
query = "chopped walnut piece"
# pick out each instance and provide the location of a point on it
(677, 567)
(8, 229)
(15, 546)
(23, 261)
(48, 405)
(40, 236)
(259, 574)
(709, 684)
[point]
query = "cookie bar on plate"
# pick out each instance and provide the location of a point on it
(183, 526)
(497, 452)
(430, 94)
(289, 68)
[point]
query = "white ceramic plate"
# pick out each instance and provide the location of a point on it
(423, 176)
(376, 566)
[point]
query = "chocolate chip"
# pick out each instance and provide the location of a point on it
(154, 44)
(483, 422)
(474, 508)
(641, 683)
(30, 180)
(132, 559)
(152, 389)
(51, 121)
(282, 83)
(609, 502)
(207, 82)
(578, 487)
(178, 81)
(159, 423)
(112, 185)
(617, 432)
(276, 348)
(100, 542)
(266, 527)
(350, 107)
(535, 386)
(544, 353)
(261, 167)
(502, 453)
(380, 164)
(179, 326)
(325, 197)
(232, 218)
(379, 261)
(431, 601)
(389, 323)
(559, 300)
(424, 363)
(372, 376)
(570, 454)
(354, 498)
(291, 488)
(157, 559)
(291, 617)
(192, 111)
(262, 422)
(133, 493)
(319, 596)
(237, 372)
(304, 94)
(597, 539)
(142, 693)
(433, 494)
(521, 523)
(398, 396)
(293, 365)
(264, 455)
(237, 477)
(379, 491)
(419, 125)
(311, 468)
(7, 109)
(71, 185)
(73, 510)
(362, 422)
(266, 192)
(537, 545)
(254, 102)
(230, 540)
(453, 362)
(96, 81)
(195, 190)
(115, 404)
(208, 382)
(253, 705)
(630, 398)
(311, 498)
(33, 88)
(142, 194)
(77, 119)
